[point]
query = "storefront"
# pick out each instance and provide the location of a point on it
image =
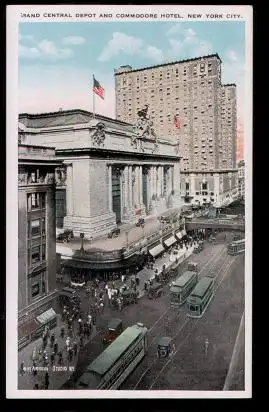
(169, 242)
(46, 319)
(156, 250)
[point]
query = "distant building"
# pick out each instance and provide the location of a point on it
(36, 236)
(189, 91)
(240, 143)
(241, 178)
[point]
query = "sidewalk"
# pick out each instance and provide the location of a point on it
(58, 375)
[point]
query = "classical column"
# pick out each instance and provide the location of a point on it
(192, 184)
(137, 185)
(110, 187)
(149, 189)
(130, 190)
(125, 187)
(140, 185)
(69, 190)
(162, 180)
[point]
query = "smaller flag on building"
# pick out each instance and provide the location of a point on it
(176, 122)
(98, 89)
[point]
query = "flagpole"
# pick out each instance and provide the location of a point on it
(93, 99)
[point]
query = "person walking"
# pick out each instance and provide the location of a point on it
(22, 368)
(47, 381)
(52, 358)
(55, 346)
(36, 386)
(60, 358)
(206, 345)
(34, 369)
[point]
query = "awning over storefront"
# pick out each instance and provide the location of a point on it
(27, 328)
(178, 235)
(156, 250)
(46, 317)
(170, 241)
(76, 264)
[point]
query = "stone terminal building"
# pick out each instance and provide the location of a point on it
(111, 174)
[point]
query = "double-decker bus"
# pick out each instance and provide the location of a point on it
(236, 247)
(200, 297)
(116, 363)
(182, 287)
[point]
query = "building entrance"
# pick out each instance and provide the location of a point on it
(60, 198)
(145, 188)
(116, 195)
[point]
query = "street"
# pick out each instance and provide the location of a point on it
(192, 366)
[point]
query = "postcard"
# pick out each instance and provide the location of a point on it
(129, 189)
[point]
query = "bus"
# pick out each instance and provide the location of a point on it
(182, 287)
(236, 247)
(117, 361)
(200, 297)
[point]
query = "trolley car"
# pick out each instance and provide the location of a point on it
(116, 363)
(236, 247)
(182, 287)
(200, 297)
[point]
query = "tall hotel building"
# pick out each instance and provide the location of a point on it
(191, 91)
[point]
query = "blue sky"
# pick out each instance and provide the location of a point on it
(57, 60)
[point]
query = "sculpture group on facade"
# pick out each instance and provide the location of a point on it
(144, 128)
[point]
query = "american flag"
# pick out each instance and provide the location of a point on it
(98, 89)
(176, 122)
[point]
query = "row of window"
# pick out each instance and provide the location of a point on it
(37, 254)
(37, 284)
(36, 227)
(36, 201)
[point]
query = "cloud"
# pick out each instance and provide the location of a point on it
(177, 28)
(154, 54)
(30, 52)
(45, 49)
(74, 40)
(27, 37)
(120, 42)
(186, 43)
(231, 55)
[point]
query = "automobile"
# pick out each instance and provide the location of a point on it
(193, 266)
(129, 296)
(114, 233)
(65, 236)
(140, 222)
(66, 295)
(189, 215)
(115, 328)
(155, 290)
(164, 347)
(164, 219)
(198, 248)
